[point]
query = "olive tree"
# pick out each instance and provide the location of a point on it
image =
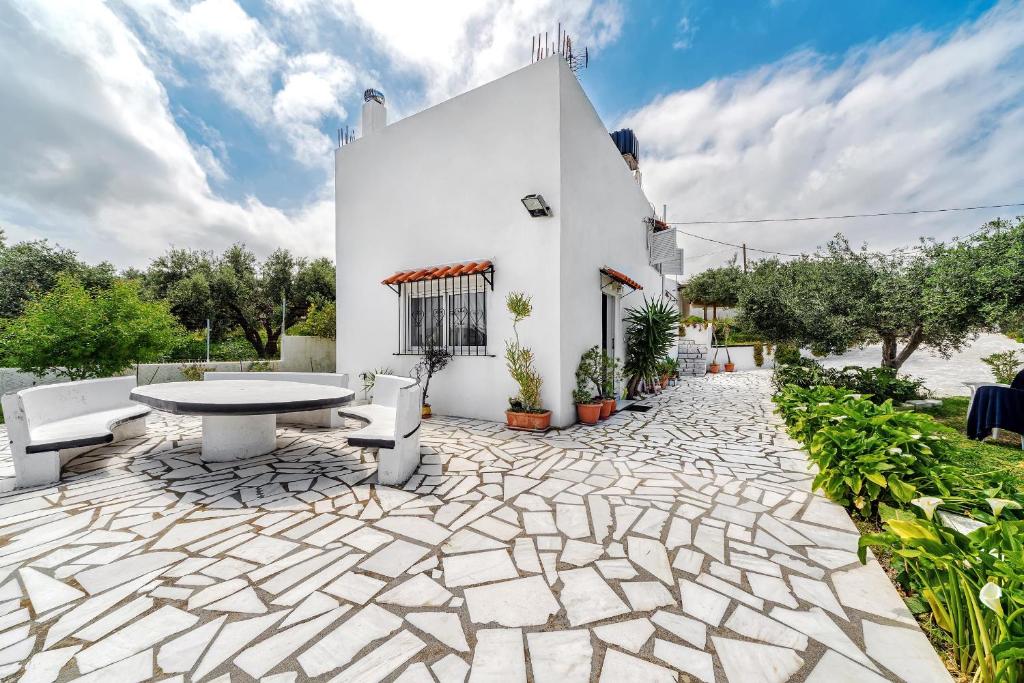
(715, 287)
(843, 297)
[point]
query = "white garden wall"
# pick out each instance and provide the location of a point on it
(307, 354)
(743, 357)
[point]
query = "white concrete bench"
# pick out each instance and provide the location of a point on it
(325, 417)
(49, 425)
(393, 427)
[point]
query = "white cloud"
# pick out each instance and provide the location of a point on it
(685, 30)
(92, 156)
(917, 121)
(459, 44)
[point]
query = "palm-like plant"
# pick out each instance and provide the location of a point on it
(650, 331)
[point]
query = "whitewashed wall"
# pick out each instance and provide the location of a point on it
(445, 186)
(307, 354)
(743, 357)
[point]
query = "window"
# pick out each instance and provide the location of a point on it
(449, 311)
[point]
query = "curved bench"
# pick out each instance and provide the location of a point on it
(393, 424)
(325, 417)
(49, 425)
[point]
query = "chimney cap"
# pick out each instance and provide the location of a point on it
(375, 95)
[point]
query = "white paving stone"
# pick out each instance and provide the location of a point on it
(630, 635)
(560, 656)
(755, 663)
(444, 626)
(619, 667)
(499, 656)
(520, 602)
(475, 568)
(587, 598)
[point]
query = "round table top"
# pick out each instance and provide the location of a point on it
(240, 397)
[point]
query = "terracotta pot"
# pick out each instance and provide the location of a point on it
(425, 411)
(664, 381)
(588, 413)
(607, 408)
(730, 367)
(713, 368)
(536, 422)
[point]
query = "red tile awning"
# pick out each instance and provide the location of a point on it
(658, 225)
(621, 278)
(438, 272)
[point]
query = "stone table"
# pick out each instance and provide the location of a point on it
(239, 417)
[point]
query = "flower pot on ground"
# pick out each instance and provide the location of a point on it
(730, 367)
(588, 408)
(533, 422)
(588, 413)
(524, 411)
(650, 330)
(425, 411)
(713, 368)
(607, 408)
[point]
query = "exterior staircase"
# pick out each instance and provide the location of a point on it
(693, 358)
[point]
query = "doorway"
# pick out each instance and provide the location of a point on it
(608, 323)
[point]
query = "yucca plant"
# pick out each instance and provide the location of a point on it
(649, 331)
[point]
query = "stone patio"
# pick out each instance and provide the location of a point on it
(676, 544)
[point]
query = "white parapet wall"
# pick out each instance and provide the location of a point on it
(12, 379)
(743, 357)
(308, 354)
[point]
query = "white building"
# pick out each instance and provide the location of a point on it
(440, 194)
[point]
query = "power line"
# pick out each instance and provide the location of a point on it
(730, 244)
(844, 216)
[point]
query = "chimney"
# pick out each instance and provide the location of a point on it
(375, 114)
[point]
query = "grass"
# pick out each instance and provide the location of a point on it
(1002, 456)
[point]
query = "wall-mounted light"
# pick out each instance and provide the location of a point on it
(536, 205)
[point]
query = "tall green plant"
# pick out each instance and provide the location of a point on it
(80, 334)
(649, 331)
(519, 359)
(1005, 365)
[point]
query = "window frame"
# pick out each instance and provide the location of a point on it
(448, 290)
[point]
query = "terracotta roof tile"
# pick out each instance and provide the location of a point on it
(621, 278)
(438, 272)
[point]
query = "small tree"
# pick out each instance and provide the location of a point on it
(434, 360)
(81, 334)
(715, 287)
(519, 359)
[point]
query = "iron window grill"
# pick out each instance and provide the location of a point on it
(445, 312)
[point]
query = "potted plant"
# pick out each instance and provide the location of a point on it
(592, 370)
(588, 409)
(524, 408)
(610, 374)
(667, 368)
(435, 359)
(649, 331)
(729, 365)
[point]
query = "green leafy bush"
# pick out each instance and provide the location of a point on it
(758, 354)
(787, 354)
(880, 384)
(1005, 365)
(973, 585)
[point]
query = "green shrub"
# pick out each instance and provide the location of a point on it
(1005, 365)
(193, 372)
(758, 354)
(320, 321)
(787, 354)
(879, 384)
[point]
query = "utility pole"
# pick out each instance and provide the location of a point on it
(744, 258)
(207, 340)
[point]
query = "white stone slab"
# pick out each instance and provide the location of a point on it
(383, 660)
(520, 602)
(394, 559)
(337, 648)
(499, 656)
(45, 592)
(644, 596)
(587, 598)
(444, 626)
(475, 568)
(686, 659)
(746, 662)
(619, 667)
(269, 652)
(419, 591)
(629, 635)
(135, 638)
(560, 656)
(905, 652)
(650, 555)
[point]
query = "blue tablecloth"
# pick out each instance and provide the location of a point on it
(996, 407)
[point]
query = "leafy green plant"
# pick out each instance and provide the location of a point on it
(79, 334)
(1005, 365)
(519, 359)
(320, 321)
(667, 367)
(193, 372)
(879, 384)
(973, 584)
(758, 354)
(650, 331)
(787, 354)
(610, 374)
(260, 366)
(369, 378)
(434, 360)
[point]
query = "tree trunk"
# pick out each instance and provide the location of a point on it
(272, 337)
(892, 357)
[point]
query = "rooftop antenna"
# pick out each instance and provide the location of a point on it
(542, 47)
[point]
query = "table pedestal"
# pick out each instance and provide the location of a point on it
(237, 437)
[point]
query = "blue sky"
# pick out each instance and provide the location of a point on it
(131, 125)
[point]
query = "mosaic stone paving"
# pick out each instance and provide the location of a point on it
(676, 544)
